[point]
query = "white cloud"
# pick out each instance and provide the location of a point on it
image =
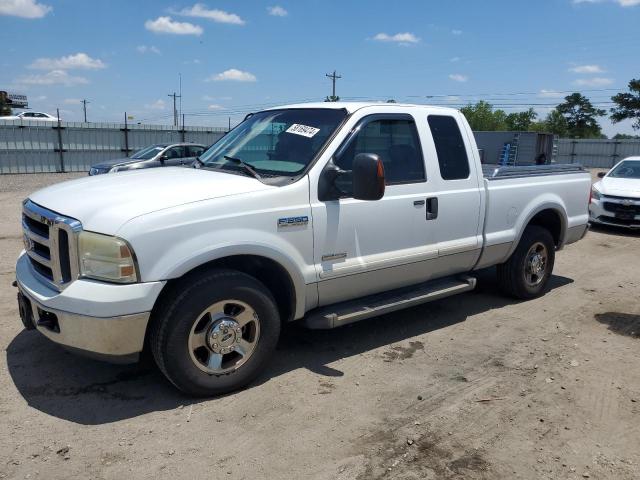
(277, 11)
(168, 25)
(550, 94)
(148, 49)
(405, 38)
(622, 3)
(71, 101)
(79, 61)
(200, 10)
(458, 77)
(215, 107)
(456, 32)
(157, 105)
(24, 8)
(454, 59)
(54, 77)
(593, 82)
(209, 98)
(587, 69)
(233, 74)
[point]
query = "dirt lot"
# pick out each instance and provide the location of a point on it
(475, 386)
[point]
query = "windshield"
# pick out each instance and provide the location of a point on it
(147, 153)
(626, 169)
(275, 142)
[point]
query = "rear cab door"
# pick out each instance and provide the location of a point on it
(459, 218)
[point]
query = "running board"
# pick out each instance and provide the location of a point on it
(339, 314)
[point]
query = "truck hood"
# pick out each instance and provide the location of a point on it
(103, 203)
(619, 187)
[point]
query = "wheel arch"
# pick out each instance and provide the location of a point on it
(549, 215)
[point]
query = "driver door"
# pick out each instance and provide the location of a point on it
(365, 247)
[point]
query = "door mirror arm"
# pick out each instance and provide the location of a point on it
(327, 188)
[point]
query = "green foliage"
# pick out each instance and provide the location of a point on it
(581, 116)
(627, 105)
(521, 121)
(624, 136)
(332, 98)
(483, 118)
(5, 109)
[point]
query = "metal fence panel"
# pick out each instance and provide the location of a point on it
(596, 153)
(34, 147)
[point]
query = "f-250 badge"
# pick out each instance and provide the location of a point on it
(292, 221)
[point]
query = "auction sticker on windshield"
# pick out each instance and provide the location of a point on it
(303, 130)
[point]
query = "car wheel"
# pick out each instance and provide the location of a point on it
(526, 274)
(214, 332)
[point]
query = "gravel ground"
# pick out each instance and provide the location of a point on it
(476, 386)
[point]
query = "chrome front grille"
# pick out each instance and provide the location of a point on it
(50, 242)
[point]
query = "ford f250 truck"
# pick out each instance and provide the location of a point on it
(327, 213)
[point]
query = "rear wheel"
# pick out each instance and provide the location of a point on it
(215, 332)
(526, 274)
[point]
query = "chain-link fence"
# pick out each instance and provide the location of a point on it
(32, 147)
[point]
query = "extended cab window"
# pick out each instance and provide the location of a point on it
(452, 153)
(396, 142)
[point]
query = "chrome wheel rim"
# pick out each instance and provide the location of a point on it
(224, 336)
(536, 262)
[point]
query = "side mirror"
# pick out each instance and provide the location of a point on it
(163, 157)
(368, 177)
(601, 174)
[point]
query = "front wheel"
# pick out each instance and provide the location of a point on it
(526, 274)
(215, 332)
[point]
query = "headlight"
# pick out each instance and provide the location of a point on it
(595, 194)
(106, 258)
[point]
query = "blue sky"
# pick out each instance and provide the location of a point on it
(235, 57)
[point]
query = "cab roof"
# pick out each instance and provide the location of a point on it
(353, 106)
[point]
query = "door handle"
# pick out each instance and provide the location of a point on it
(417, 203)
(432, 208)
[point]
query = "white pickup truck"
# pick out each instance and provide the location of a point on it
(328, 213)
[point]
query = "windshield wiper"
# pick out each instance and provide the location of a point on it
(246, 167)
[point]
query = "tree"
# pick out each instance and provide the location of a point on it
(5, 108)
(627, 105)
(625, 136)
(482, 117)
(332, 98)
(521, 121)
(581, 116)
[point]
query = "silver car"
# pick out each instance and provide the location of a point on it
(159, 155)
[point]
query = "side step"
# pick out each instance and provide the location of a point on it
(339, 314)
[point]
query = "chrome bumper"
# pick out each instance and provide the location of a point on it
(117, 339)
(98, 319)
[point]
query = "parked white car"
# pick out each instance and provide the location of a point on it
(32, 117)
(328, 213)
(615, 199)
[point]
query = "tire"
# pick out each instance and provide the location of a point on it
(181, 334)
(515, 275)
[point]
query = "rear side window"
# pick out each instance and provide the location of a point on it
(194, 151)
(452, 154)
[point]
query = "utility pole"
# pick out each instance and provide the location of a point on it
(333, 76)
(84, 107)
(175, 112)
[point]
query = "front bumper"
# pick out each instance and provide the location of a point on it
(600, 215)
(99, 319)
